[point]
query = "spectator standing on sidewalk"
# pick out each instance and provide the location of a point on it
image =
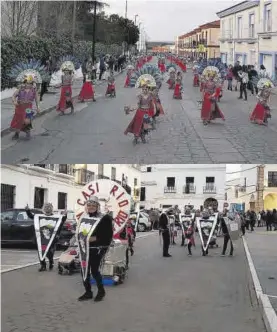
(227, 238)
(230, 77)
(102, 67)
(259, 219)
(252, 74)
(243, 75)
(253, 218)
(236, 69)
(84, 69)
(243, 224)
(269, 219)
(274, 219)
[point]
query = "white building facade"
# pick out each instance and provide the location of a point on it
(163, 186)
(248, 33)
(60, 184)
(254, 188)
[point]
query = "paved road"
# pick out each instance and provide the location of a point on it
(263, 249)
(195, 294)
(95, 133)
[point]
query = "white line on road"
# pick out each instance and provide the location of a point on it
(274, 296)
(269, 314)
(18, 267)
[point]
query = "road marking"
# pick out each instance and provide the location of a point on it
(269, 314)
(274, 296)
(19, 267)
(29, 251)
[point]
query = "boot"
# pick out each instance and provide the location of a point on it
(15, 136)
(42, 268)
(100, 294)
(88, 295)
(51, 265)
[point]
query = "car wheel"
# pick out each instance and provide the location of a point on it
(141, 228)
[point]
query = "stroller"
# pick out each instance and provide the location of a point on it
(69, 260)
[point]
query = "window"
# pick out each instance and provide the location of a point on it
(210, 180)
(189, 180)
(22, 216)
(142, 194)
(113, 177)
(272, 179)
(40, 165)
(39, 198)
(63, 169)
(170, 182)
(268, 18)
(239, 27)
(149, 169)
(62, 201)
(7, 196)
(100, 169)
(135, 182)
(7, 216)
(252, 26)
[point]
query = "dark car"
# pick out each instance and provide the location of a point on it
(18, 228)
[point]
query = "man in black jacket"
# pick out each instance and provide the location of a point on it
(227, 237)
(100, 241)
(164, 230)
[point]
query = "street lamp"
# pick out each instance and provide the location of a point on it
(136, 19)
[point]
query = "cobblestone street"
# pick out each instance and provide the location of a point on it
(96, 133)
(195, 294)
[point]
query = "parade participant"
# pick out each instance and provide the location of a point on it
(100, 237)
(196, 80)
(162, 66)
(87, 91)
(178, 87)
(111, 86)
(67, 65)
(47, 227)
(206, 226)
(261, 112)
(189, 234)
(164, 231)
(130, 70)
(171, 80)
(225, 232)
(210, 110)
(25, 98)
(157, 102)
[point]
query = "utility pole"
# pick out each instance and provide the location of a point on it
(73, 26)
(126, 9)
(94, 32)
(259, 206)
(127, 29)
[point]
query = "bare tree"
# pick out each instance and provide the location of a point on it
(18, 18)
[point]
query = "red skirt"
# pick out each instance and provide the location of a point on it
(196, 80)
(171, 84)
(127, 82)
(207, 113)
(259, 114)
(62, 102)
(218, 92)
(162, 68)
(135, 125)
(201, 86)
(110, 89)
(177, 92)
(182, 66)
(87, 92)
(19, 116)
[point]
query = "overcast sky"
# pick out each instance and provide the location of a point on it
(165, 20)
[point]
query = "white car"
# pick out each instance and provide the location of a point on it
(142, 221)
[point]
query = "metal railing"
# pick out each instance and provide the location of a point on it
(84, 176)
(189, 188)
(170, 190)
(101, 176)
(209, 189)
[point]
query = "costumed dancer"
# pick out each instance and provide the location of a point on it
(227, 238)
(130, 70)
(189, 235)
(196, 81)
(67, 65)
(97, 230)
(47, 227)
(28, 75)
(111, 86)
(210, 109)
(261, 112)
(164, 231)
(172, 78)
(87, 91)
(157, 103)
(162, 66)
(178, 87)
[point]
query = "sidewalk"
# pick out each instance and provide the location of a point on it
(262, 247)
(49, 103)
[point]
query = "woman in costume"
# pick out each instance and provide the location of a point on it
(196, 81)
(172, 79)
(67, 65)
(29, 75)
(162, 66)
(157, 103)
(178, 87)
(130, 70)
(87, 91)
(111, 86)
(48, 212)
(210, 110)
(261, 113)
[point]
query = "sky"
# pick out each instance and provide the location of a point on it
(165, 20)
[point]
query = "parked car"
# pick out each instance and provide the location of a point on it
(18, 228)
(142, 221)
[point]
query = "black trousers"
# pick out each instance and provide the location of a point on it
(226, 240)
(43, 89)
(166, 242)
(102, 71)
(189, 248)
(268, 226)
(243, 229)
(243, 90)
(50, 256)
(95, 258)
(204, 253)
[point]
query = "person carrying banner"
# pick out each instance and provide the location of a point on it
(227, 238)
(42, 231)
(189, 234)
(164, 231)
(99, 242)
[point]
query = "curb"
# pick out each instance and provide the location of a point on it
(7, 131)
(268, 313)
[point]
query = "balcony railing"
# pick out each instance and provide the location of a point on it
(101, 176)
(84, 176)
(170, 190)
(189, 188)
(209, 189)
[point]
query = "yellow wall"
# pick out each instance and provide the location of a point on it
(270, 202)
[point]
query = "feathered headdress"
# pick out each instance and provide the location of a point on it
(171, 67)
(32, 71)
(263, 80)
(147, 73)
(68, 62)
(212, 67)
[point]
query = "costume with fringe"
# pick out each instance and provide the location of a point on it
(87, 91)
(178, 88)
(130, 70)
(111, 86)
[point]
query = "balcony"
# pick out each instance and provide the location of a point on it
(84, 176)
(170, 190)
(189, 188)
(102, 177)
(209, 188)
